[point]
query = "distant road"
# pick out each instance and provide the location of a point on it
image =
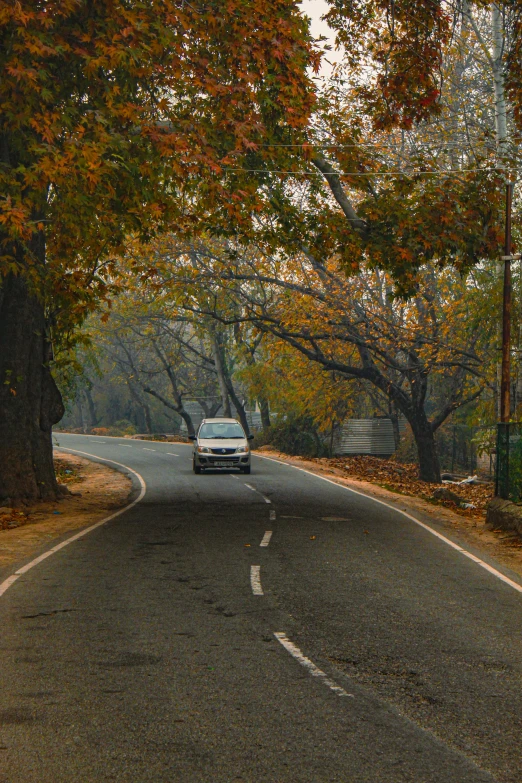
(271, 628)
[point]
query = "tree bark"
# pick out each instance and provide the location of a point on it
(429, 466)
(148, 418)
(265, 414)
(238, 406)
(220, 371)
(394, 418)
(145, 409)
(30, 402)
(92, 407)
(81, 419)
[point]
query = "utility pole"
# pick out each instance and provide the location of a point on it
(505, 383)
(508, 257)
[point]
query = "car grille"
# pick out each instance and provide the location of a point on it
(223, 451)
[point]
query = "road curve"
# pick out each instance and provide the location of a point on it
(272, 628)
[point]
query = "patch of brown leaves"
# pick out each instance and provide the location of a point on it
(403, 478)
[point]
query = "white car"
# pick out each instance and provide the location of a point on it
(221, 443)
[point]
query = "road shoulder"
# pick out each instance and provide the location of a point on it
(96, 491)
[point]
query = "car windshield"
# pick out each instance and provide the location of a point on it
(221, 431)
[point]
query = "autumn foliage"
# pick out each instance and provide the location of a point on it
(119, 118)
(114, 113)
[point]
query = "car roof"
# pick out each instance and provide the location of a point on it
(220, 421)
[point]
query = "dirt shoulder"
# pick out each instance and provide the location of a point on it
(467, 526)
(96, 491)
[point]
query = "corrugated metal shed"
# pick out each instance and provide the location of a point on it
(366, 436)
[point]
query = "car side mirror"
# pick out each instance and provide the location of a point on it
(250, 437)
(192, 437)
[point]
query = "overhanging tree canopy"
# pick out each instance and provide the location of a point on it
(119, 117)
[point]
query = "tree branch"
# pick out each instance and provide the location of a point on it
(334, 181)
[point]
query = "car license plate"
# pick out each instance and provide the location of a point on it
(222, 463)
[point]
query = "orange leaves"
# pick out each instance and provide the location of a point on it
(402, 40)
(13, 218)
(19, 73)
(117, 120)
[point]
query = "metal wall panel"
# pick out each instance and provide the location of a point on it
(366, 436)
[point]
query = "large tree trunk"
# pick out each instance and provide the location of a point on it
(30, 402)
(142, 405)
(394, 417)
(148, 418)
(429, 467)
(93, 416)
(220, 371)
(240, 408)
(81, 418)
(265, 414)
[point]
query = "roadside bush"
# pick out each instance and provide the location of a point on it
(297, 436)
(98, 431)
(121, 428)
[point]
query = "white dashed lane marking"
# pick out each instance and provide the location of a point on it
(255, 580)
(149, 449)
(171, 454)
(309, 665)
(267, 500)
(266, 538)
(272, 515)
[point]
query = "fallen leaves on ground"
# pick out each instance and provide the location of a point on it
(403, 478)
(66, 473)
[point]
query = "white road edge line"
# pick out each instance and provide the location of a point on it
(266, 538)
(255, 580)
(438, 535)
(312, 669)
(6, 584)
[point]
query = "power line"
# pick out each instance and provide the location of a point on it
(454, 144)
(440, 172)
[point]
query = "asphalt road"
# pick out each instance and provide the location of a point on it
(146, 650)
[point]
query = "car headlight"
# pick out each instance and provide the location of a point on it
(242, 450)
(203, 450)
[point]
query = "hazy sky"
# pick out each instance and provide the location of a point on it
(315, 9)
